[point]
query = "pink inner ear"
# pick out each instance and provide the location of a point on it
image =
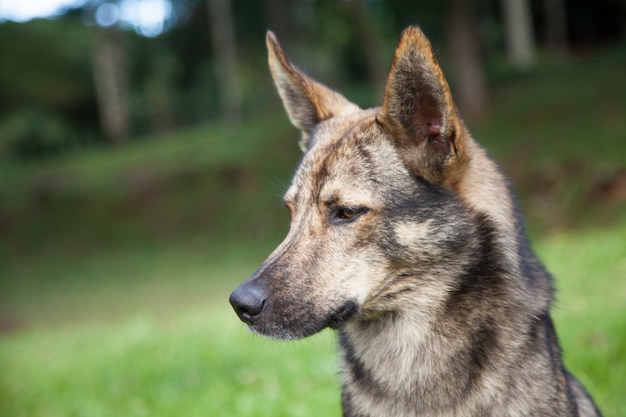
(433, 134)
(427, 122)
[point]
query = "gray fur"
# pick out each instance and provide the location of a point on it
(405, 239)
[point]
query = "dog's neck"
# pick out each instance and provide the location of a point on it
(388, 363)
(435, 354)
(394, 365)
(428, 357)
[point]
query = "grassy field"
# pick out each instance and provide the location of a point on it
(116, 264)
(191, 357)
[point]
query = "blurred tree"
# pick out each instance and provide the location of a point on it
(519, 32)
(181, 61)
(189, 74)
(555, 20)
(157, 93)
(36, 70)
(623, 18)
(110, 77)
(47, 98)
(110, 72)
(368, 39)
(226, 62)
(464, 46)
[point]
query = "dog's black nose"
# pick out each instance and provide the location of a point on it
(248, 302)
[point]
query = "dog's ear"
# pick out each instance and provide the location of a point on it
(307, 102)
(418, 110)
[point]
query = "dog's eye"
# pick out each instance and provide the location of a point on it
(343, 214)
(347, 213)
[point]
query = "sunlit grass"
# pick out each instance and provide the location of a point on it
(198, 363)
(58, 287)
(590, 311)
(198, 359)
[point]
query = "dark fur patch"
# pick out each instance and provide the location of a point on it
(358, 373)
(485, 278)
(342, 314)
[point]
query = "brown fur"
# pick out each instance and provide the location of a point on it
(405, 239)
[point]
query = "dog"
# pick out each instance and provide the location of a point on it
(405, 238)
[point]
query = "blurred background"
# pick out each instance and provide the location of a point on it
(144, 153)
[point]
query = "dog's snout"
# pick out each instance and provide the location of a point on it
(248, 302)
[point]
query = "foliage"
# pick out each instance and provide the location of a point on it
(172, 78)
(47, 100)
(29, 132)
(197, 183)
(48, 67)
(557, 132)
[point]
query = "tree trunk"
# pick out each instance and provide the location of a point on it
(470, 88)
(159, 103)
(519, 33)
(556, 25)
(227, 66)
(111, 81)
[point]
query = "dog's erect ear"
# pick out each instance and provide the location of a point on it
(307, 102)
(418, 110)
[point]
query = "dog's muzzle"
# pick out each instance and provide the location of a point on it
(248, 302)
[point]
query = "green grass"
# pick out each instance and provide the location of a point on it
(61, 287)
(198, 359)
(110, 171)
(116, 264)
(199, 183)
(590, 312)
(196, 364)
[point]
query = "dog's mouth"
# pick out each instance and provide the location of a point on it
(304, 328)
(342, 314)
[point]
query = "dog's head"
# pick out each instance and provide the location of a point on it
(374, 212)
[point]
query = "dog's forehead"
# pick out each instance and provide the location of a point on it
(348, 157)
(340, 129)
